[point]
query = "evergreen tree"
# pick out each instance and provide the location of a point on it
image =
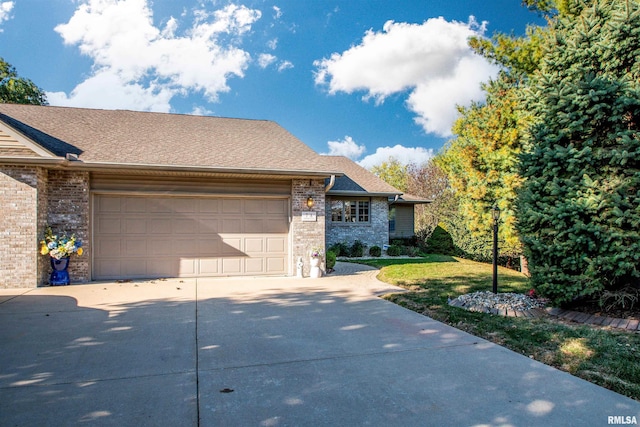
(579, 208)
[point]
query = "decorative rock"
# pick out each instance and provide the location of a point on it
(509, 304)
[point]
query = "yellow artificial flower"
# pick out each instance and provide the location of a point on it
(79, 251)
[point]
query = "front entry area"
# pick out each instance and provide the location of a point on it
(196, 236)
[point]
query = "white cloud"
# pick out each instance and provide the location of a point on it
(5, 11)
(139, 66)
(201, 111)
(272, 44)
(266, 59)
(285, 65)
(422, 59)
(106, 89)
(277, 12)
(404, 155)
(347, 147)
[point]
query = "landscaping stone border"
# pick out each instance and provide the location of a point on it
(569, 315)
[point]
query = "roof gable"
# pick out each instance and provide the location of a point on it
(357, 180)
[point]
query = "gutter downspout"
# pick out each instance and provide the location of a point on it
(331, 183)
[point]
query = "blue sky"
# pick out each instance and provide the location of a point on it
(367, 79)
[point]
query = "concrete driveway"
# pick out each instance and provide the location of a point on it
(267, 352)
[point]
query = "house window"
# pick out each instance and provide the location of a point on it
(350, 210)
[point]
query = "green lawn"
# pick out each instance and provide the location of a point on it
(605, 357)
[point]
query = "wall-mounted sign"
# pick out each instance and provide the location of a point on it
(309, 216)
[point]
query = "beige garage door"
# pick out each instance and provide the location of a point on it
(148, 237)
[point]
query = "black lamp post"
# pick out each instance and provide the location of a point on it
(495, 213)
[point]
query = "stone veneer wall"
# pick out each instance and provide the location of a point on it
(20, 189)
(68, 211)
(373, 233)
(306, 235)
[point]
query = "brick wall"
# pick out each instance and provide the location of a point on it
(20, 188)
(32, 198)
(306, 235)
(68, 211)
(375, 232)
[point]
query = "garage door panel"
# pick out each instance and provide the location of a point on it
(231, 206)
(108, 226)
(108, 268)
(209, 266)
(185, 247)
(185, 226)
(254, 207)
(187, 267)
(146, 237)
(110, 204)
(276, 245)
(253, 244)
(209, 247)
(161, 267)
(159, 225)
(275, 265)
(254, 265)
(135, 205)
(135, 247)
(231, 225)
(160, 205)
(158, 247)
(209, 206)
(135, 226)
(133, 267)
(108, 248)
(277, 207)
(185, 205)
(276, 226)
(231, 266)
(231, 246)
(209, 225)
(253, 225)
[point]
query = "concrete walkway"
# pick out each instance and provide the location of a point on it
(267, 352)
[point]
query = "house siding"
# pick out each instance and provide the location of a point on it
(404, 222)
(373, 233)
(306, 235)
(21, 188)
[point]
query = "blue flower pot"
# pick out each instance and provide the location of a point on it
(59, 274)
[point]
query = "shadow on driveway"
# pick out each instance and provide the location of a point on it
(265, 352)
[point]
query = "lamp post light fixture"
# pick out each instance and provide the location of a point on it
(495, 213)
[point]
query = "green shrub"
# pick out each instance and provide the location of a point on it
(357, 249)
(441, 242)
(330, 259)
(394, 250)
(375, 251)
(412, 251)
(340, 249)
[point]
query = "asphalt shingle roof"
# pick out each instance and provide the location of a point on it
(146, 138)
(357, 179)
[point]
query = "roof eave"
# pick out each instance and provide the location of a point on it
(360, 193)
(82, 165)
(410, 202)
